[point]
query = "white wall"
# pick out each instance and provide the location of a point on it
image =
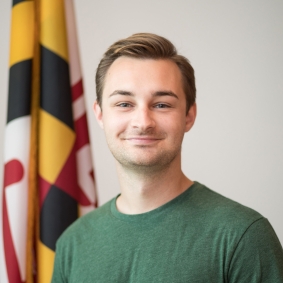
(236, 145)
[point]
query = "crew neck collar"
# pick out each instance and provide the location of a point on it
(155, 213)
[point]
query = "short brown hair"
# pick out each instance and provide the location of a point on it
(147, 46)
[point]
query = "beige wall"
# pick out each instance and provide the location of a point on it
(236, 145)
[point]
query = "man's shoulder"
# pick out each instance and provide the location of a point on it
(90, 222)
(213, 206)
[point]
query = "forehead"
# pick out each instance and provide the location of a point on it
(146, 75)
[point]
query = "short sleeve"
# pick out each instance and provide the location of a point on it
(258, 256)
(57, 275)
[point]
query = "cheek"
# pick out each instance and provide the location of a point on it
(174, 125)
(113, 125)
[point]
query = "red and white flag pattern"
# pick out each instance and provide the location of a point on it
(62, 161)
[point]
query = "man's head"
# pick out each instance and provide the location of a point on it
(148, 103)
(147, 46)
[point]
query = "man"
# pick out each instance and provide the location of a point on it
(163, 227)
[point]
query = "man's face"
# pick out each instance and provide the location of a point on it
(144, 112)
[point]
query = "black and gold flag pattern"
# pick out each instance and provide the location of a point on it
(46, 137)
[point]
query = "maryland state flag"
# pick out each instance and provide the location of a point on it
(48, 174)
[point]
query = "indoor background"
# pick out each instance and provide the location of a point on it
(236, 49)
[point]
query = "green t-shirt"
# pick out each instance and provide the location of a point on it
(200, 236)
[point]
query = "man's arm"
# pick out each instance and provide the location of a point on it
(57, 274)
(258, 256)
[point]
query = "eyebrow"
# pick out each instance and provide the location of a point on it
(165, 93)
(121, 92)
(157, 93)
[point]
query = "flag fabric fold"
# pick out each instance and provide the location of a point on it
(46, 139)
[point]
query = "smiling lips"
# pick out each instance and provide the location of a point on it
(143, 140)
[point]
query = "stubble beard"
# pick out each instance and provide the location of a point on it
(145, 159)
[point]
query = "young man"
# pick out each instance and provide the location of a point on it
(163, 227)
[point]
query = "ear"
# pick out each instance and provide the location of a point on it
(98, 113)
(191, 117)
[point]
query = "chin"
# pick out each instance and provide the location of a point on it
(148, 164)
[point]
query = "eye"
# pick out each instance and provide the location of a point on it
(124, 104)
(161, 105)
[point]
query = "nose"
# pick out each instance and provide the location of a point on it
(143, 119)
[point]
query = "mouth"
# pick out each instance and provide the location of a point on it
(143, 140)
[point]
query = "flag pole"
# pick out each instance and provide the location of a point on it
(33, 220)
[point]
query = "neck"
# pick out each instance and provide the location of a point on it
(142, 191)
